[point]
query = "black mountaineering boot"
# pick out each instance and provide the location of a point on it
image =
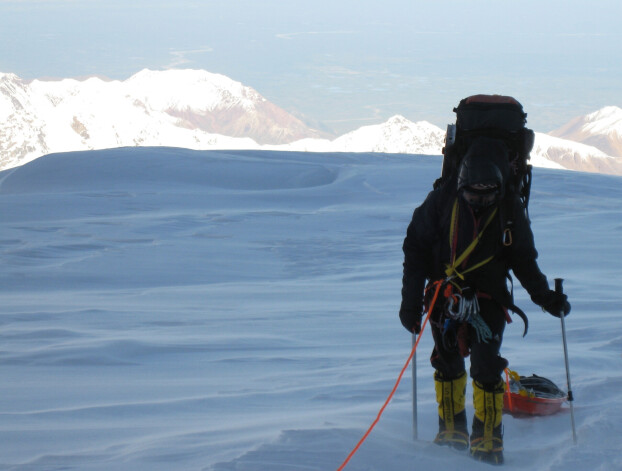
(452, 426)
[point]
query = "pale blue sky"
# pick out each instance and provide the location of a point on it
(342, 63)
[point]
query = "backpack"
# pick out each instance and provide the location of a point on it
(493, 117)
(497, 117)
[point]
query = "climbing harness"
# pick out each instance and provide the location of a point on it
(462, 304)
(451, 269)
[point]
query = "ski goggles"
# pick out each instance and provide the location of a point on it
(481, 196)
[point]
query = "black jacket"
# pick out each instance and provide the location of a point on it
(427, 249)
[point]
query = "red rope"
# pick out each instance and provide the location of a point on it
(397, 383)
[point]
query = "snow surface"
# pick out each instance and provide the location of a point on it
(169, 309)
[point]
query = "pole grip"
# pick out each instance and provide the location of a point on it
(559, 288)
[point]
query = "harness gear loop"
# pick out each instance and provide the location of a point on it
(452, 269)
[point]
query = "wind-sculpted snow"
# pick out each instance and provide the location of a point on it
(172, 309)
(128, 168)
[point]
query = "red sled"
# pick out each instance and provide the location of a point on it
(533, 395)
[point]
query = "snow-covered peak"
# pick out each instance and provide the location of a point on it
(396, 135)
(397, 120)
(149, 77)
(4, 76)
(554, 152)
(601, 129)
(605, 112)
(189, 89)
(606, 120)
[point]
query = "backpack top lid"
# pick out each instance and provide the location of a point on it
(486, 112)
(491, 99)
(494, 116)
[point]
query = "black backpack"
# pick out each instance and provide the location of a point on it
(493, 116)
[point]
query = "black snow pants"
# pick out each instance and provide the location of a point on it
(487, 365)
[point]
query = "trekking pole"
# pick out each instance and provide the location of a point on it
(414, 373)
(559, 289)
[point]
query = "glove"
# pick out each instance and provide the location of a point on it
(552, 302)
(411, 319)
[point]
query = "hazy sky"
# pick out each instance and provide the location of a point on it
(341, 63)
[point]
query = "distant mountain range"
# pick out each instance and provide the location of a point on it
(186, 108)
(196, 109)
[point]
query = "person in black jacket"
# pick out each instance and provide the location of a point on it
(460, 245)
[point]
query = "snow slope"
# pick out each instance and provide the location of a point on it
(173, 309)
